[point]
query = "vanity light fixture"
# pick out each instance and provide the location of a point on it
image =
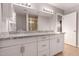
(25, 4)
(48, 10)
(28, 4)
(31, 22)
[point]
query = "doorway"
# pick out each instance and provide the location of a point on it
(69, 27)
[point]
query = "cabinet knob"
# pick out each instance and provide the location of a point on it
(58, 40)
(22, 49)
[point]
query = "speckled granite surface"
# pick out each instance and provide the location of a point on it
(15, 35)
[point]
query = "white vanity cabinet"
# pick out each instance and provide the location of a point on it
(30, 49)
(42, 45)
(56, 44)
(10, 51)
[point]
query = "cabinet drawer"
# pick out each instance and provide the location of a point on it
(43, 53)
(42, 45)
(60, 39)
(43, 38)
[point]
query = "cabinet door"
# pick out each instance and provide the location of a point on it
(56, 45)
(30, 49)
(60, 42)
(10, 51)
(43, 45)
(53, 47)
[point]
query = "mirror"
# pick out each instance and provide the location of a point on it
(19, 23)
(18, 19)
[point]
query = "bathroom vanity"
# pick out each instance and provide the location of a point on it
(36, 30)
(32, 44)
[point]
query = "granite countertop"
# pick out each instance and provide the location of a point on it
(7, 36)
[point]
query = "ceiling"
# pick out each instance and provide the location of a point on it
(65, 6)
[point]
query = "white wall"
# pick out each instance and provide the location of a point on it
(72, 10)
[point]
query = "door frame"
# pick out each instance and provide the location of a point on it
(76, 29)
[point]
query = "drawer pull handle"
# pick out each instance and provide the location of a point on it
(43, 45)
(22, 49)
(44, 55)
(44, 38)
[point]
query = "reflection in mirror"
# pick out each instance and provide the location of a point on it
(12, 23)
(32, 23)
(59, 23)
(20, 22)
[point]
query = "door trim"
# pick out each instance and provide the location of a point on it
(76, 29)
